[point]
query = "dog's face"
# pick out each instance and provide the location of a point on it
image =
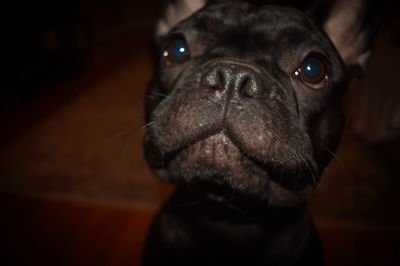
(246, 98)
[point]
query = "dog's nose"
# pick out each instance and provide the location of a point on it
(239, 78)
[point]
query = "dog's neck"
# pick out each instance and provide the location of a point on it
(240, 222)
(218, 205)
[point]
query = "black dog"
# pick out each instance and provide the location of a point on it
(243, 115)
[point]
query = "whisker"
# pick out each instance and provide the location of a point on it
(328, 150)
(298, 160)
(344, 167)
(308, 162)
(159, 94)
(301, 160)
(155, 95)
(133, 130)
(236, 209)
(311, 171)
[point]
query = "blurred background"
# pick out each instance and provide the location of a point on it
(74, 187)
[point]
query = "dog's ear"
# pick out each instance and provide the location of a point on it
(175, 11)
(352, 26)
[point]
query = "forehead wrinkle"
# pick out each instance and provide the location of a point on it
(280, 14)
(271, 19)
(270, 30)
(218, 15)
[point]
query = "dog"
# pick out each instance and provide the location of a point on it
(243, 114)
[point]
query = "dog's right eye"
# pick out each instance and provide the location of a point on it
(176, 51)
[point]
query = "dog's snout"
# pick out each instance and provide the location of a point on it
(237, 78)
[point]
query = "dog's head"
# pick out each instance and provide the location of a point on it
(249, 97)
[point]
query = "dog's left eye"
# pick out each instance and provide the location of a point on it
(176, 51)
(312, 71)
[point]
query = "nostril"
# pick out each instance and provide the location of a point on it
(248, 87)
(242, 83)
(240, 80)
(215, 80)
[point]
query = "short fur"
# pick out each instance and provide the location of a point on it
(242, 138)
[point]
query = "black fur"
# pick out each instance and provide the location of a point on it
(246, 158)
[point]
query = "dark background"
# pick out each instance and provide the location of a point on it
(71, 193)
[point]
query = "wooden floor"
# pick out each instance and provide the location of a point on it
(42, 232)
(46, 232)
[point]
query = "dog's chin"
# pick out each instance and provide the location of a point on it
(216, 167)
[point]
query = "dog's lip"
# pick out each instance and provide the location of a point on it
(213, 141)
(214, 138)
(263, 187)
(222, 158)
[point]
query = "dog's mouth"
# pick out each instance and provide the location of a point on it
(214, 166)
(217, 168)
(219, 163)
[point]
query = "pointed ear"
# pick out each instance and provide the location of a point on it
(176, 11)
(352, 26)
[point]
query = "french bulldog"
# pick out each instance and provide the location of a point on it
(243, 114)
